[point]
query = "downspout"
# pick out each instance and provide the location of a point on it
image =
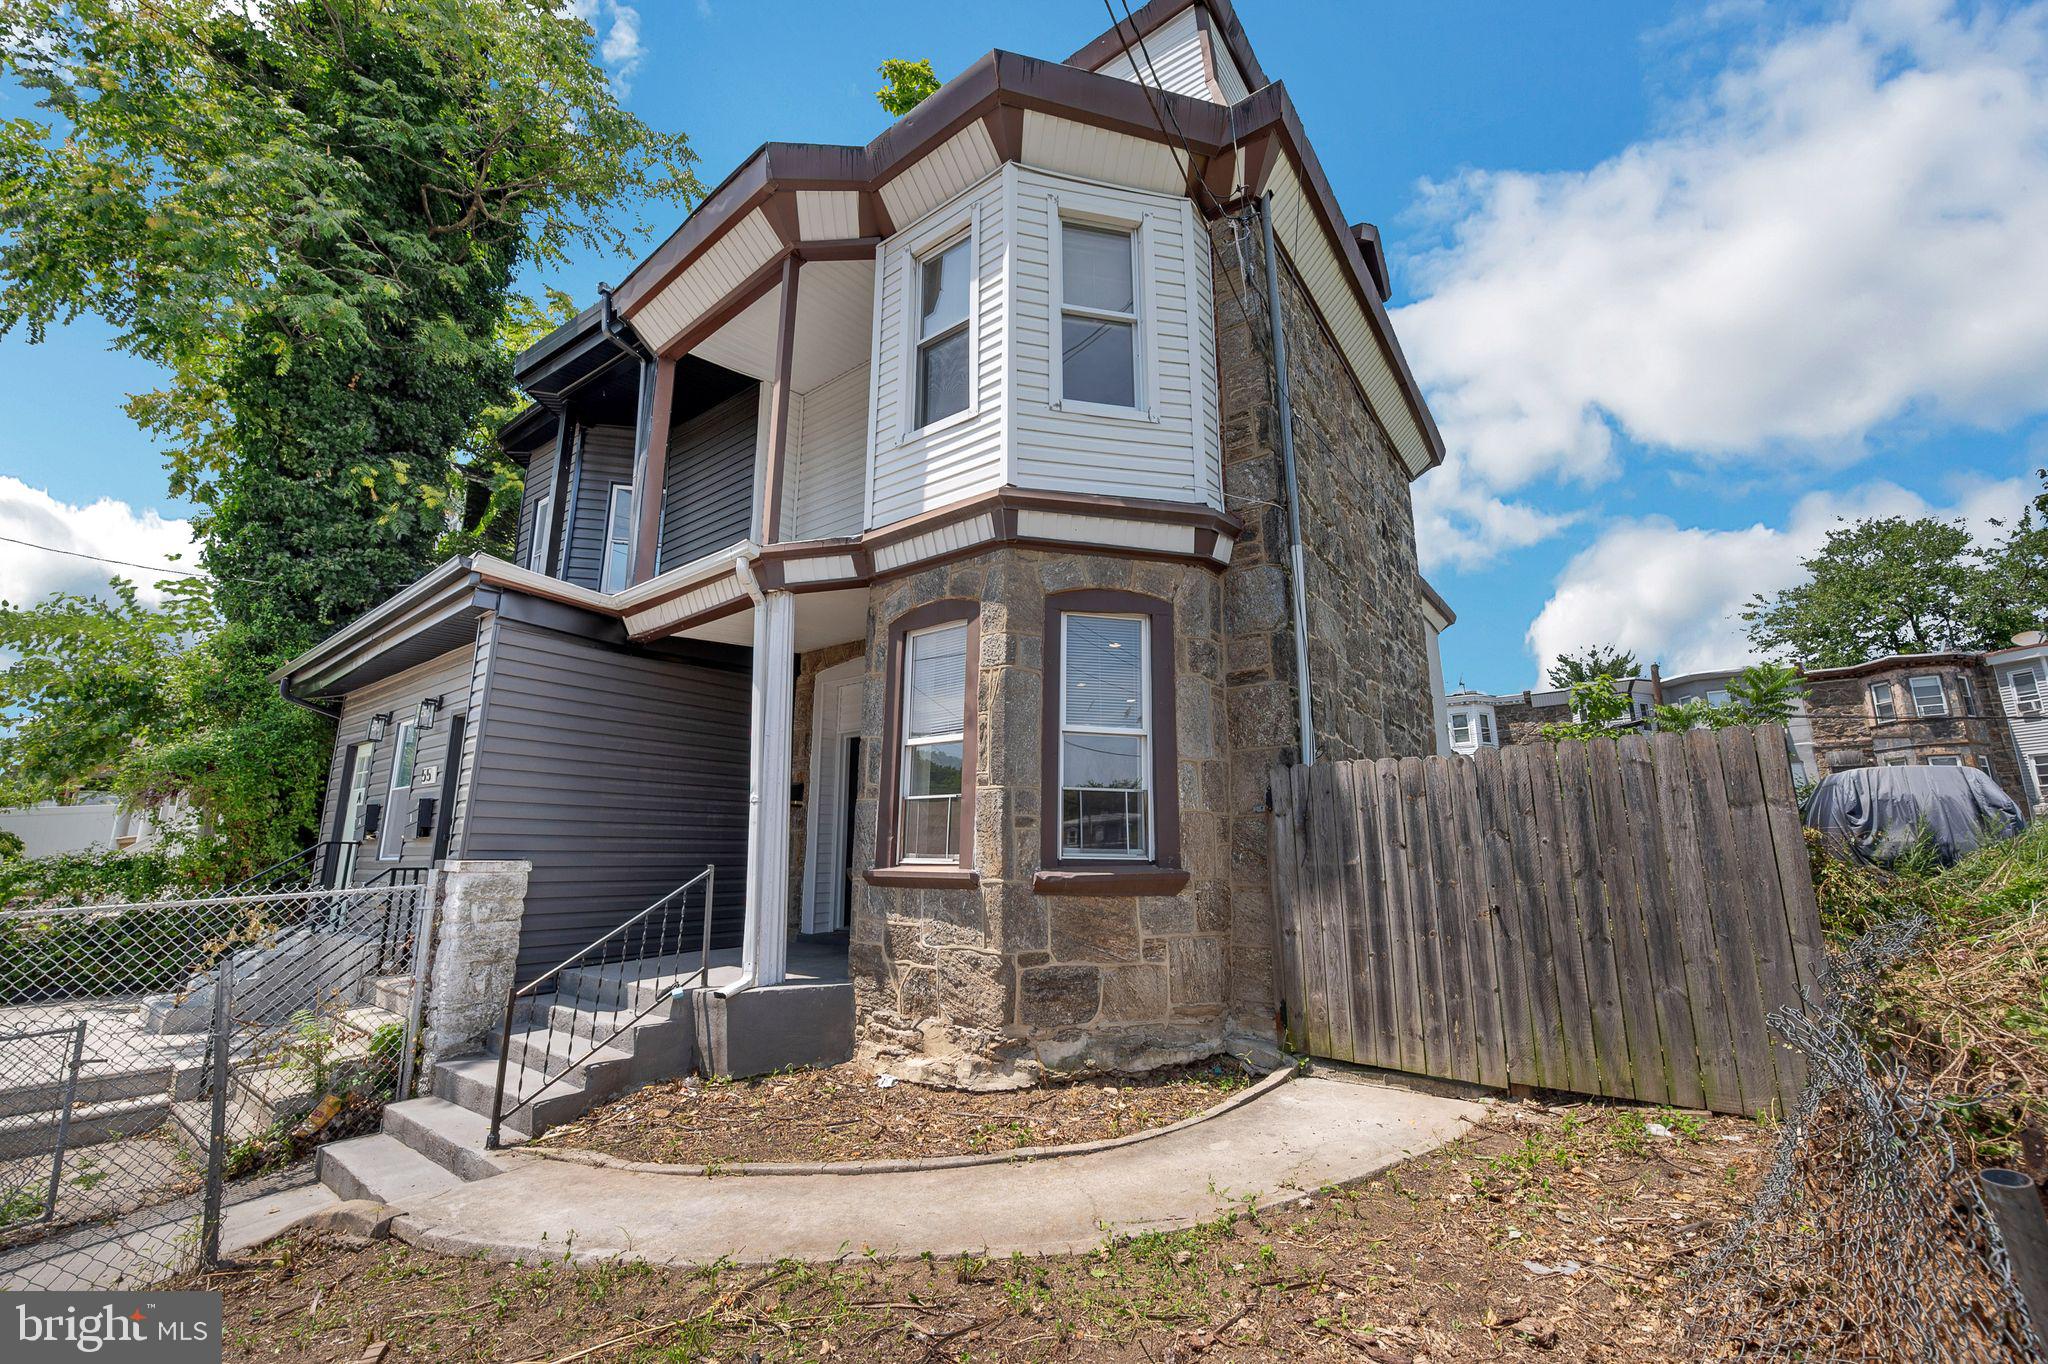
(1299, 586)
(743, 570)
(608, 324)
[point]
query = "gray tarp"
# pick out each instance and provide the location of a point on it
(1876, 814)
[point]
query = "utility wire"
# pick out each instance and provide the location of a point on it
(103, 559)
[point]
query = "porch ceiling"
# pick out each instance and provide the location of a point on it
(834, 326)
(822, 618)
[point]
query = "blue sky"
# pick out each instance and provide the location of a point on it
(1685, 283)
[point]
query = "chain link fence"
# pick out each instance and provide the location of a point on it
(160, 1062)
(1869, 1240)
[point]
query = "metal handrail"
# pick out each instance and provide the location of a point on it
(532, 990)
(305, 854)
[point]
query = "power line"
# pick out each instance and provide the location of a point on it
(103, 559)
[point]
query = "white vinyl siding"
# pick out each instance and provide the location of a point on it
(1169, 449)
(2023, 696)
(911, 470)
(829, 434)
(1175, 50)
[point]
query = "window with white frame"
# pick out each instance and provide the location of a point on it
(1882, 705)
(1485, 729)
(391, 835)
(1461, 727)
(2026, 692)
(2040, 761)
(618, 538)
(1944, 760)
(1967, 690)
(934, 704)
(1901, 761)
(1105, 736)
(1717, 698)
(1098, 315)
(1928, 696)
(543, 524)
(944, 284)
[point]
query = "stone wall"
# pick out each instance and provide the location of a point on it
(989, 984)
(1847, 734)
(1370, 685)
(1522, 722)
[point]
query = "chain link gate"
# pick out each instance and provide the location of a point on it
(162, 1062)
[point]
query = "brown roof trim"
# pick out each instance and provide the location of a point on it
(1894, 663)
(1005, 80)
(1149, 19)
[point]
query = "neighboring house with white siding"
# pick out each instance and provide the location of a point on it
(2020, 676)
(910, 536)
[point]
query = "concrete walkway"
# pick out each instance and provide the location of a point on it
(1315, 1131)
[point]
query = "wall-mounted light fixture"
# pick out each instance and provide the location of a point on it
(378, 724)
(429, 708)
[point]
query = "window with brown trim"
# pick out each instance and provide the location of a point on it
(1109, 819)
(924, 831)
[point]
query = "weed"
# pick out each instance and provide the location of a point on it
(20, 1206)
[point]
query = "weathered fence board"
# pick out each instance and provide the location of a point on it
(1616, 917)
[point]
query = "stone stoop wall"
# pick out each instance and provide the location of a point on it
(1846, 735)
(1370, 687)
(808, 666)
(988, 986)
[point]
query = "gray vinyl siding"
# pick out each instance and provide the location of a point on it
(709, 501)
(399, 696)
(604, 458)
(540, 474)
(618, 775)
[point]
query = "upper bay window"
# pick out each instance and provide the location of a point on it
(944, 282)
(1098, 315)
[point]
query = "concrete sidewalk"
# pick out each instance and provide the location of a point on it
(1317, 1130)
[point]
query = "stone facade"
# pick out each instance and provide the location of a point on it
(1847, 732)
(988, 984)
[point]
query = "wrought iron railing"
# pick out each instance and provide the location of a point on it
(307, 866)
(612, 977)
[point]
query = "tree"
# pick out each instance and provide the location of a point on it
(1598, 704)
(1595, 660)
(906, 84)
(1764, 694)
(1883, 586)
(89, 682)
(310, 215)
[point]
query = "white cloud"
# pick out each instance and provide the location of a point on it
(1675, 594)
(106, 527)
(1458, 524)
(618, 36)
(1844, 228)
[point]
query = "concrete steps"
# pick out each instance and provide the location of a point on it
(35, 1134)
(381, 1167)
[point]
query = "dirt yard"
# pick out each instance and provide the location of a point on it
(847, 1113)
(1546, 1233)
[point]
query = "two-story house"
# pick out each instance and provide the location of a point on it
(936, 536)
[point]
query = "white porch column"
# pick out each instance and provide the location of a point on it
(765, 958)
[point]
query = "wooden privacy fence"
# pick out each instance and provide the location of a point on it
(1616, 917)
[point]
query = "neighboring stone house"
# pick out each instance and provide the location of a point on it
(909, 536)
(1923, 709)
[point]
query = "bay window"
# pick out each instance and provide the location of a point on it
(934, 738)
(944, 283)
(924, 833)
(1098, 315)
(1105, 728)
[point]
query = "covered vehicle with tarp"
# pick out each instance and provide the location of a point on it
(1879, 814)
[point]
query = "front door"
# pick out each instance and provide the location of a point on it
(828, 841)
